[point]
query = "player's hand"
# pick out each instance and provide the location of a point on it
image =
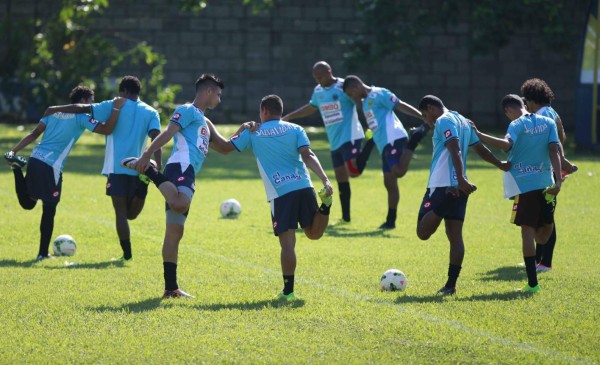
(118, 102)
(466, 187)
(328, 187)
(505, 166)
(472, 123)
(142, 164)
(251, 125)
(553, 189)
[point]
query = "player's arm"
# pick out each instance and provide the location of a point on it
(556, 167)
(562, 136)
(157, 143)
(30, 137)
(70, 108)
(301, 112)
(107, 127)
(158, 153)
(488, 156)
(504, 144)
(217, 141)
(463, 184)
(312, 162)
(408, 109)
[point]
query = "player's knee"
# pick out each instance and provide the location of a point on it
(179, 207)
(132, 215)
(423, 234)
(313, 235)
(399, 171)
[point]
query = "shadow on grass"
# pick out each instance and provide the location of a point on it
(506, 273)
(91, 265)
(507, 296)
(15, 263)
(344, 231)
(155, 303)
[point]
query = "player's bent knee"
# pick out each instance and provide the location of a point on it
(174, 217)
(313, 235)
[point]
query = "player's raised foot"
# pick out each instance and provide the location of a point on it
(43, 257)
(129, 163)
(386, 226)
(16, 162)
(542, 268)
(145, 179)
(177, 293)
(325, 199)
(368, 134)
(446, 291)
(281, 296)
(528, 289)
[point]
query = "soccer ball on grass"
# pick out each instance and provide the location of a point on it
(231, 209)
(393, 280)
(64, 245)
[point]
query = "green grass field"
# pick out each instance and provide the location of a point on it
(98, 311)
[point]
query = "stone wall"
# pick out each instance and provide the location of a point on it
(258, 54)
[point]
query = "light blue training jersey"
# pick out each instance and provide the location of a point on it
(62, 131)
(128, 139)
(531, 168)
(275, 145)
(450, 125)
(191, 142)
(548, 111)
(378, 107)
(338, 112)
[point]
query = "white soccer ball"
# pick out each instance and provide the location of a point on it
(231, 209)
(393, 280)
(64, 245)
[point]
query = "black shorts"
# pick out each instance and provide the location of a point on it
(183, 180)
(531, 209)
(295, 207)
(446, 202)
(391, 154)
(122, 185)
(346, 152)
(41, 182)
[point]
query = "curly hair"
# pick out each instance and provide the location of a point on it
(538, 91)
(79, 93)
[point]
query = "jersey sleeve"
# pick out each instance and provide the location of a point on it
(154, 121)
(512, 134)
(86, 122)
(302, 138)
(553, 136)
(180, 117)
(241, 142)
(44, 120)
(388, 99)
(101, 111)
(313, 100)
(447, 129)
(473, 139)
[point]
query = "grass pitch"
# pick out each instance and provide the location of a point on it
(89, 309)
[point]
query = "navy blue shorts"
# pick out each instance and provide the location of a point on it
(122, 185)
(295, 207)
(183, 180)
(346, 152)
(391, 154)
(531, 209)
(41, 183)
(446, 202)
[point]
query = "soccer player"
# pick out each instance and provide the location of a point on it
(137, 121)
(390, 137)
(534, 179)
(342, 126)
(44, 168)
(191, 132)
(283, 153)
(538, 96)
(448, 188)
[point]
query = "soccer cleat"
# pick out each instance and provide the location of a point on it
(43, 257)
(446, 291)
(16, 162)
(325, 199)
(387, 226)
(528, 289)
(550, 198)
(177, 293)
(341, 222)
(281, 296)
(542, 268)
(145, 179)
(368, 134)
(121, 259)
(129, 163)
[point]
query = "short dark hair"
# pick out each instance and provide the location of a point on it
(209, 80)
(538, 91)
(430, 100)
(351, 81)
(79, 93)
(131, 84)
(273, 104)
(512, 101)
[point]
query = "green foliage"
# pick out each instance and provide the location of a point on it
(199, 5)
(64, 52)
(101, 311)
(391, 26)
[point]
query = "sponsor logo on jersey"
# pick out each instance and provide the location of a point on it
(335, 96)
(176, 116)
(448, 133)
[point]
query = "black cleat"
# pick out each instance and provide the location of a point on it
(446, 291)
(387, 226)
(16, 162)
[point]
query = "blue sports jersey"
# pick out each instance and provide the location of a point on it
(338, 113)
(378, 107)
(62, 131)
(450, 125)
(275, 145)
(191, 142)
(531, 168)
(128, 139)
(548, 111)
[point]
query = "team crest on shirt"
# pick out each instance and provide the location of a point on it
(204, 131)
(448, 133)
(176, 116)
(93, 121)
(335, 96)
